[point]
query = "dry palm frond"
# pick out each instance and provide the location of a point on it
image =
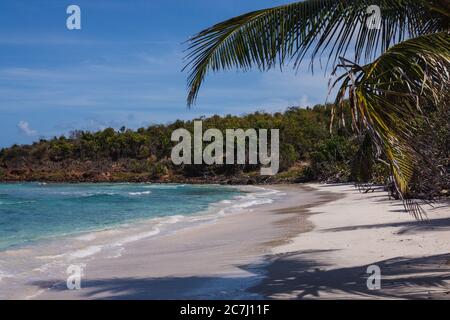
(388, 98)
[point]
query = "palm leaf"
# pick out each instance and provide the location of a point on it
(389, 97)
(287, 33)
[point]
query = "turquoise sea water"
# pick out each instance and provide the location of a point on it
(32, 211)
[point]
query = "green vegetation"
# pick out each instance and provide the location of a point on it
(308, 152)
(393, 96)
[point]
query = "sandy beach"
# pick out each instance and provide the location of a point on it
(356, 231)
(314, 242)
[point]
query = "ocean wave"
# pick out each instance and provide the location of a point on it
(86, 252)
(139, 193)
(163, 187)
(267, 192)
(86, 237)
(255, 196)
(82, 195)
(253, 203)
(139, 236)
(16, 202)
(172, 219)
(48, 266)
(98, 196)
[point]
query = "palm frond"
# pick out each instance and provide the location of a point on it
(441, 6)
(389, 96)
(266, 37)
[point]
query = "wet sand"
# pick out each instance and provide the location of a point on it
(218, 260)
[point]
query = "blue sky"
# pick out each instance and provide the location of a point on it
(124, 67)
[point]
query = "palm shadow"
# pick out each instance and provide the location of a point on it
(160, 288)
(298, 275)
(409, 227)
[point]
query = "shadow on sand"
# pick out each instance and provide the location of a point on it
(402, 278)
(410, 227)
(292, 276)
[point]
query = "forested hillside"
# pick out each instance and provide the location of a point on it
(144, 154)
(308, 152)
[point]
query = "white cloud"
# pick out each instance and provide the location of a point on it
(25, 129)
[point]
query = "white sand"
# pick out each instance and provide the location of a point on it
(354, 232)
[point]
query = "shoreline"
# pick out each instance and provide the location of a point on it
(51, 255)
(313, 242)
(248, 194)
(243, 237)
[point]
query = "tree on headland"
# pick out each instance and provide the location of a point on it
(391, 71)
